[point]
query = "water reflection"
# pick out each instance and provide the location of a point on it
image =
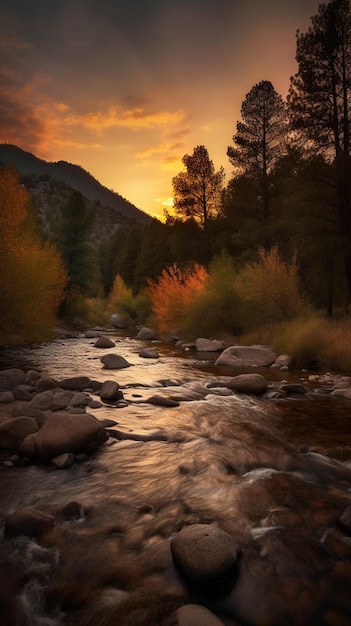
(274, 474)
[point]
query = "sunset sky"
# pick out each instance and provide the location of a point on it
(125, 88)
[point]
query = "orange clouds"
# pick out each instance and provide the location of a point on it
(134, 119)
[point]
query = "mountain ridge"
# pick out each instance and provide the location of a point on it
(75, 176)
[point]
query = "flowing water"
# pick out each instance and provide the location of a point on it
(275, 474)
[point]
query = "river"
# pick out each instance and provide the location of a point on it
(273, 473)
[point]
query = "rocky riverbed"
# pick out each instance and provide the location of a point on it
(220, 496)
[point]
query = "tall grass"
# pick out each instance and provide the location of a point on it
(318, 342)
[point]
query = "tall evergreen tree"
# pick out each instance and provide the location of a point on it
(197, 191)
(260, 140)
(320, 101)
(74, 241)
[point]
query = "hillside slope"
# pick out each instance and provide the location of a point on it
(48, 182)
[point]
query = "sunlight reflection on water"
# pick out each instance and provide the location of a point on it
(237, 462)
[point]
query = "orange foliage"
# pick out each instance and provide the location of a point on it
(173, 293)
(32, 275)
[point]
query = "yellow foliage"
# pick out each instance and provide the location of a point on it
(173, 293)
(119, 292)
(270, 287)
(32, 276)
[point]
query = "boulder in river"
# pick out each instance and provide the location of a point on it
(110, 391)
(12, 377)
(193, 615)
(66, 432)
(249, 383)
(104, 342)
(15, 430)
(114, 361)
(146, 333)
(149, 353)
(205, 554)
(76, 383)
(208, 345)
(247, 356)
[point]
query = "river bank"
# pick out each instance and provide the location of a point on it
(270, 471)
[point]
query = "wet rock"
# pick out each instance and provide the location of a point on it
(114, 361)
(22, 393)
(75, 383)
(15, 430)
(110, 391)
(61, 400)
(73, 511)
(29, 522)
(27, 447)
(94, 404)
(293, 389)
(342, 393)
(79, 399)
(44, 383)
(11, 377)
(163, 401)
(249, 383)
(146, 333)
(67, 432)
(205, 554)
(32, 376)
(208, 345)
(6, 397)
(63, 460)
(193, 615)
(116, 321)
(149, 353)
(42, 400)
(104, 342)
(283, 360)
(247, 356)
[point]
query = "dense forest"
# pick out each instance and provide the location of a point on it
(269, 250)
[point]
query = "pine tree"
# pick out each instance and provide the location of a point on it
(197, 191)
(320, 101)
(260, 140)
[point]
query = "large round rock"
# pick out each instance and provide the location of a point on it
(67, 432)
(205, 554)
(193, 615)
(248, 383)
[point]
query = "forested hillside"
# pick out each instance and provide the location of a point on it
(51, 184)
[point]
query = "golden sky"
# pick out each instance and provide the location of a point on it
(125, 89)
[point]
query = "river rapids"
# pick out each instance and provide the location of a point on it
(273, 473)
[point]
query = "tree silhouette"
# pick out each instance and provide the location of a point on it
(260, 139)
(197, 191)
(74, 241)
(320, 101)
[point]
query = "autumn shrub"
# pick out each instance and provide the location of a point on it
(130, 308)
(270, 290)
(317, 342)
(96, 311)
(173, 294)
(217, 308)
(32, 275)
